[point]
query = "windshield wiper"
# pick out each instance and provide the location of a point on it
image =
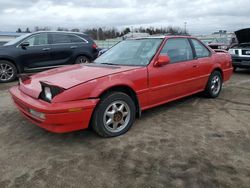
(108, 63)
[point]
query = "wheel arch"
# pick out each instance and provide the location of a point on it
(127, 90)
(11, 61)
(84, 54)
(219, 70)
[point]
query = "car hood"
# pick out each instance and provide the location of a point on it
(243, 35)
(69, 76)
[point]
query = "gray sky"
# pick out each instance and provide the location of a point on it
(202, 16)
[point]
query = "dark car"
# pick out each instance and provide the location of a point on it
(44, 50)
(241, 51)
(219, 44)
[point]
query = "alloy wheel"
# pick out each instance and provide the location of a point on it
(216, 85)
(116, 116)
(6, 72)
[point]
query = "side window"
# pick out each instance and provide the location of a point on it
(178, 49)
(60, 38)
(38, 39)
(74, 39)
(200, 49)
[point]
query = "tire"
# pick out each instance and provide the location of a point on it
(8, 71)
(82, 59)
(110, 119)
(234, 68)
(214, 85)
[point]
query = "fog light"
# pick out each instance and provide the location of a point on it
(37, 114)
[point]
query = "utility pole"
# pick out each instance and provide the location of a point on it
(132, 32)
(97, 32)
(185, 27)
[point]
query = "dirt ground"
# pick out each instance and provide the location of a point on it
(194, 142)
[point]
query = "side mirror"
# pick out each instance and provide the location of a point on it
(24, 44)
(162, 60)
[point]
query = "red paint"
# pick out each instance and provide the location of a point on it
(153, 85)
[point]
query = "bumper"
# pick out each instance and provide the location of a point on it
(59, 117)
(227, 73)
(241, 62)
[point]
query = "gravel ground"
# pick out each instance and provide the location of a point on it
(193, 142)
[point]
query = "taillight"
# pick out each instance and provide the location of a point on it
(94, 46)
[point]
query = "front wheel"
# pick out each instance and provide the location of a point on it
(114, 115)
(214, 85)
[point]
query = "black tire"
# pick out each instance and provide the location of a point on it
(213, 88)
(8, 71)
(235, 69)
(82, 59)
(100, 115)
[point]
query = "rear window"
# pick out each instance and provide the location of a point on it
(60, 38)
(75, 38)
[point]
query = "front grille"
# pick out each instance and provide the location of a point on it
(237, 52)
(246, 52)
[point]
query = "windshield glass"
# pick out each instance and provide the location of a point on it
(137, 52)
(14, 41)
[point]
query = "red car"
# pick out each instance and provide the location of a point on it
(133, 76)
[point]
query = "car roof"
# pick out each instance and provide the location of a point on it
(163, 37)
(65, 32)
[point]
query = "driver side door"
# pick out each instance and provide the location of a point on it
(176, 79)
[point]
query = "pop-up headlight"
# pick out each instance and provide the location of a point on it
(49, 91)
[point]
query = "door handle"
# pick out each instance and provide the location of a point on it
(194, 66)
(46, 49)
(73, 47)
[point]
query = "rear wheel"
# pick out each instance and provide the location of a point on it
(114, 115)
(8, 71)
(82, 59)
(234, 68)
(214, 85)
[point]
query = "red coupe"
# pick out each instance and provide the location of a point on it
(131, 77)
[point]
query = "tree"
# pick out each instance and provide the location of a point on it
(27, 30)
(126, 31)
(75, 30)
(19, 30)
(100, 35)
(42, 28)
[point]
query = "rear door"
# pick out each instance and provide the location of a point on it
(177, 78)
(37, 54)
(62, 48)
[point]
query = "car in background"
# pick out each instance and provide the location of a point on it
(217, 43)
(44, 50)
(241, 51)
(132, 76)
(102, 51)
(2, 43)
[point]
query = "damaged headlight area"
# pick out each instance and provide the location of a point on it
(49, 92)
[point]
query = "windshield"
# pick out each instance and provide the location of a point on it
(14, 41)
(137, 52)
